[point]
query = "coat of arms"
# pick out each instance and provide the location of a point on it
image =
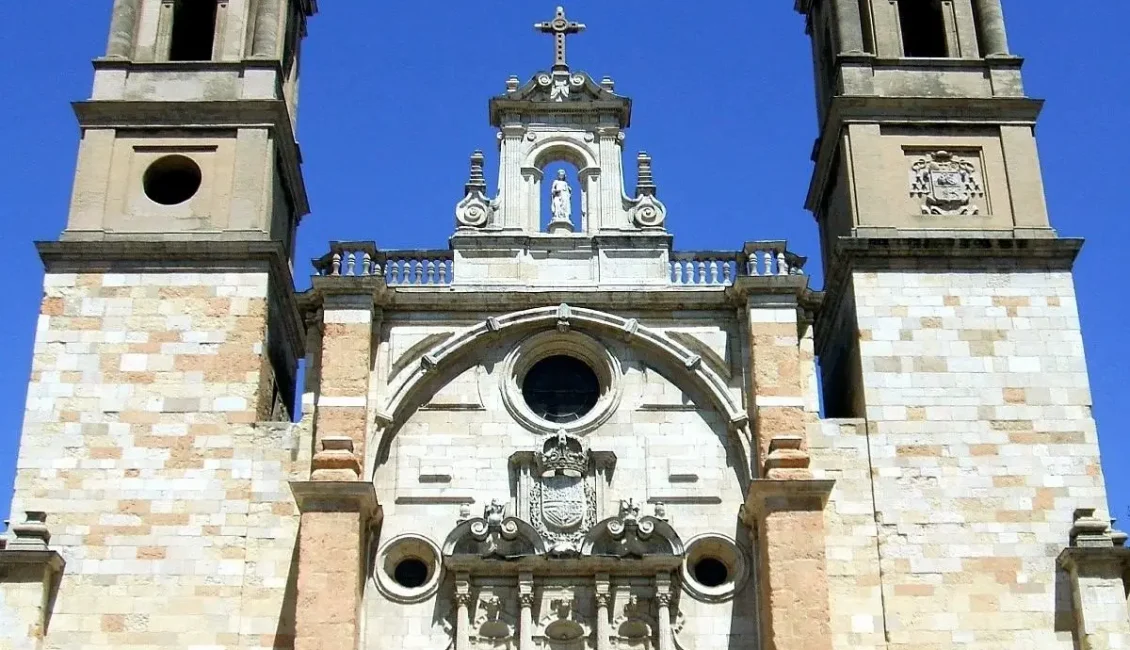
(947, 186)
(563, 501)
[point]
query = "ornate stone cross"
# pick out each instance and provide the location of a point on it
(560, 27)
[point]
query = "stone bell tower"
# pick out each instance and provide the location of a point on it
(164, 369)
(949, 335)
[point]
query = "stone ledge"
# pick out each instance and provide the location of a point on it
(336, 496)
(19, 557)
(1075, 556)
(773, 495)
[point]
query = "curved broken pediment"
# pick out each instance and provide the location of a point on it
(630, 536)
(494, 536)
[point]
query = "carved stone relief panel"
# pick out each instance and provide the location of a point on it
(946, 183)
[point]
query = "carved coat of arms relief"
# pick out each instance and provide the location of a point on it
(946, 185)
(563, 500)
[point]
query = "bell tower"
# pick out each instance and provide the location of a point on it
(949, 339)
(169, 337)
(189, 132)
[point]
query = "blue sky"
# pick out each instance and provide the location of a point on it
(394, 100)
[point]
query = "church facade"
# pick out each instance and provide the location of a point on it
(560, 433)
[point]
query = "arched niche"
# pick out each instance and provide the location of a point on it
(575, 150)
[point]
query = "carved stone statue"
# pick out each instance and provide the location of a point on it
(562, 195)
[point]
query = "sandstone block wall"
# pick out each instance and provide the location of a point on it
(956, 494)
(168, 501)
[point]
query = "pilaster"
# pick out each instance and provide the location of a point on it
(341, 416)
(333, 533)
(30, 573)
(787, 520)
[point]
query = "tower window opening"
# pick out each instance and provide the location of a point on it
(923, 28)
(194, 30)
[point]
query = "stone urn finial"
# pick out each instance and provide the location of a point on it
(32, 534)
(1089, 531)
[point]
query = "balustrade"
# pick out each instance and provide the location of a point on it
(398, 268)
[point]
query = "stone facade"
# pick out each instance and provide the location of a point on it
(571, 436)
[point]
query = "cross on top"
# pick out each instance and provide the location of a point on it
(560, 27)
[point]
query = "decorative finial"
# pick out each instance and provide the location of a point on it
(477, 180)
(512, 83)
(608, 84)
(560, 27)
(645, 183)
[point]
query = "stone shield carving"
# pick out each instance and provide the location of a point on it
(563, 501)
(946, 185)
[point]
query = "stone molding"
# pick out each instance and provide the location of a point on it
(1081, 556)
(336, 496)
(233, 114)
(774, 495)
(141, 256)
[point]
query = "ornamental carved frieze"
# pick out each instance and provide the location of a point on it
(947, 185)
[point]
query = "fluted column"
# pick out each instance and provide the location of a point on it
(267, 29)
(526, 615)
(462, 614)
(994, 37)
(123, 25)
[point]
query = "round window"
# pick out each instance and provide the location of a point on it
(561, 389)
(411, 573)
(172, 180)
(711, 572)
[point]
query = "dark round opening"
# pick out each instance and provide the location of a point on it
(172, 180)
(411, 573)
(561, 389)
(711, 572)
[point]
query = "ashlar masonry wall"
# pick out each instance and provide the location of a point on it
(168, 501)
(956, 493)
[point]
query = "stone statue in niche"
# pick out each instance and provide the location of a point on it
(561, 194)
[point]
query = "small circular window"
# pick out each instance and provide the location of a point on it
(172, 180)
(711, 572)
(714, 568)
(561, 389)
(409, 569)
(411, 573)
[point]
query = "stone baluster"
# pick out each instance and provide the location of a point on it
(712, 266)
(123, 25)
(768, 261)
(727, 273)
(526, 616)
(351, 263)
(603, 620)
(751, 264)
(443, 272)
(432, 271)
(782, 265)
(664, 599)
(701, 272)
(366, 264)
(462, 613)
(335, 267)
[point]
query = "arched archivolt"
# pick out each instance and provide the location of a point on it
(561, 148)
(689, 366)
